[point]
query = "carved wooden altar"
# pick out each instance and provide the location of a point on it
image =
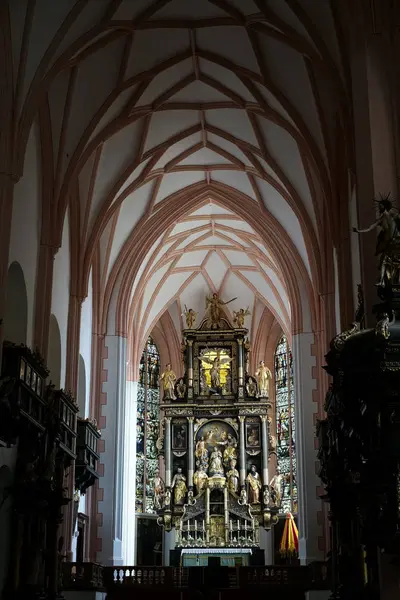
(215, 445)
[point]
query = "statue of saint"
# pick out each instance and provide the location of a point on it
(216, 466)
(230, 444)
(263, 375)
(168, 379)
(276, 488)
(233, 477)
(200, 478)
(181, 388)
(388, 242)
(203, 382)
(247, 350)
(251, 388)
(201, 451)
(158, 490)
(214, 308)
(179, 487)
(239, 316)
(190, 316)
(254, 481)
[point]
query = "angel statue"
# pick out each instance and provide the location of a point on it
(190, 316)
(216, 364)
(388, 242)
(214, 308)
(239, 316)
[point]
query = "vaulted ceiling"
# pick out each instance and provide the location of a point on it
(152, 112)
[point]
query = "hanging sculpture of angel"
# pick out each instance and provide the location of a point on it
(216, 364)
(190, 316)
(239, 316)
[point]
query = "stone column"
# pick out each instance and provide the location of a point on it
(310, 522)
(264, 435)
(189, 366)
(112, 461)
(240, 362)
(191, 453)
(242, 456)
(168, 456)
(375, 132)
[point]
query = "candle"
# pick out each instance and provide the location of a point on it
(230, 524)
(195, 525)
(203, 526)
(245, 525)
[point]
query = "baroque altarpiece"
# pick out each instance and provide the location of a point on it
(216, 491)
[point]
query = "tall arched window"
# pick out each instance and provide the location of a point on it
(147, 427)
(285, 425)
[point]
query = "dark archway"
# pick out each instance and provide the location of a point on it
(54, 353)
(16, 309)
(81, 396)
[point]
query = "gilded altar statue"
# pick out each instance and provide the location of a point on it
(181, 388)
(239, 317)
(200, 478)
(158, 490)
(382, 327)
(388, 242)
(247, 351)
(190, 316)
(168, 379)
(201, 452)
(233, 477)
(254, 482)
(214, 310)
(179, 487)
(263, 375)
(216, 466)
(216, 365)
(276, 488)
(230, 446)
(251, 388)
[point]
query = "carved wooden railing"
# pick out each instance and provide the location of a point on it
(82, 576)
(94, 576)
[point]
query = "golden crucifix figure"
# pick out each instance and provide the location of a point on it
(216, 364)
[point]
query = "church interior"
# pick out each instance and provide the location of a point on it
(199, 299)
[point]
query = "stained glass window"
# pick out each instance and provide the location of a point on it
(148, 414)
(285, 425)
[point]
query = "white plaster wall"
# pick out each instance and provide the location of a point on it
(129, 492)
(60, 293)
(8, 457)
(111, 506)
(26, 224)
(306, 454)
(85, 342)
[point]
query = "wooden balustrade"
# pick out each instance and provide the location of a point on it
(94, 576)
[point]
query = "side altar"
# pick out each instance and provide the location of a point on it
(216, 442)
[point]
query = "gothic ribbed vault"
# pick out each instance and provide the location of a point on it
(157, 110)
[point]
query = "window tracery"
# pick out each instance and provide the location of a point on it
(285, 425)
(148, 418)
